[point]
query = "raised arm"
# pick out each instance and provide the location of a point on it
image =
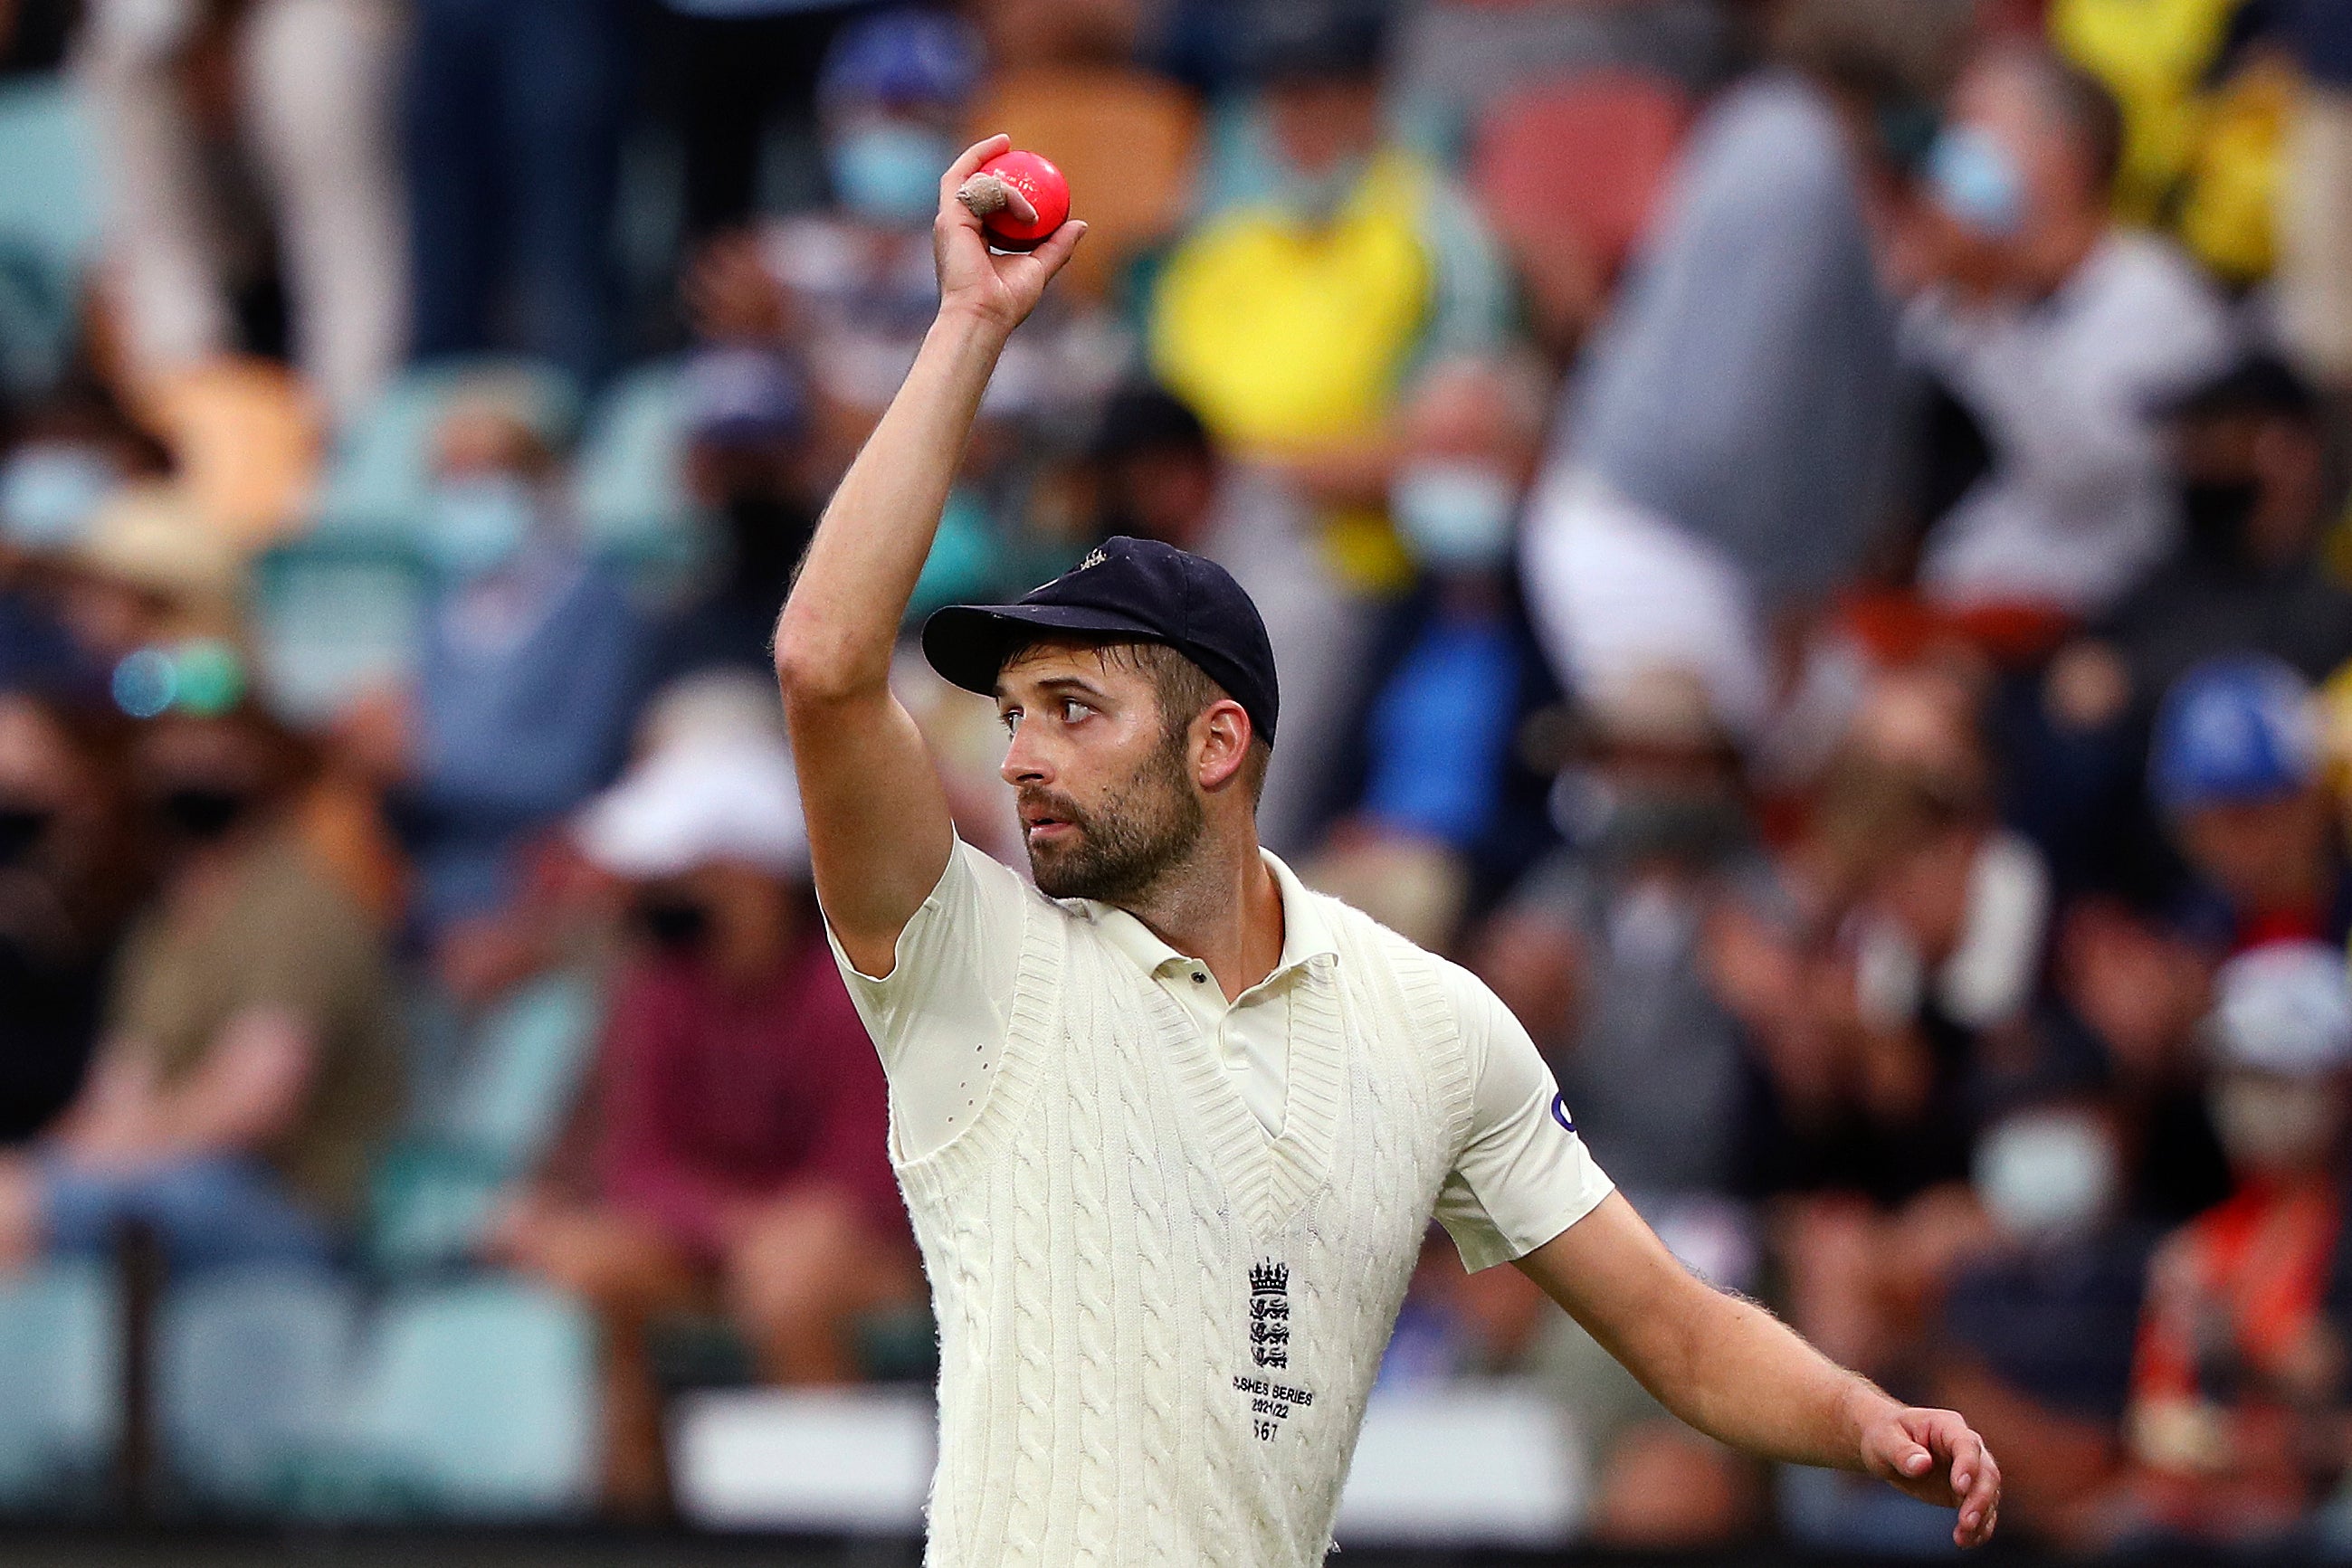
(878, 827)
(1737, 1372)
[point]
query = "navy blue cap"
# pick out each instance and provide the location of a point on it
(1128, 590)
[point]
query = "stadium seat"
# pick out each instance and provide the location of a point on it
(628, 481)
(1582, 161)
(479, 1401)
(1124, 138)
(437, 1187)
(51, 218)
(334, 618)
(247, 438)
(59, 1372)
(252, 1368)
(380, 474)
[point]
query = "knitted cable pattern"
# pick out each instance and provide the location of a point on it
(1091, 1239)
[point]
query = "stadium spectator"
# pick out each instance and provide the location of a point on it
(1602, 952)
(851, 288)
(513, 113)
(531, 668)
(1723, 446)
(748, 465)
(146, 572)
(69, 454)
(1916, 992)
(312, 97)
(1155, 471)
(1929, 922)
(1439, 810)
(250, 1061)
(1329, 263)
(740, 1150)
(2236, 770)
(69, 876)
(2037, 1328)
(2054, 335)
(1602, 949)
(2239, 1393)
(2250, 451)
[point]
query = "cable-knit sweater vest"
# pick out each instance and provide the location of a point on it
(1157, 1327)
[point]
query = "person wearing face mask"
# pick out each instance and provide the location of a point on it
(740, 1157)
(2060, 336)
(2248, 453)
(849, 286)
(2037, 1329)
(2239, 1390)
(529, 672)
(1437, 795)
(249, 1064)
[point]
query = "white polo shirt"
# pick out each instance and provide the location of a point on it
(939, 1016)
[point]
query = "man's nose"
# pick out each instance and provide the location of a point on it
(1025, 763)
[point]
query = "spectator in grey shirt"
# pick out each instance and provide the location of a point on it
(1722, 449)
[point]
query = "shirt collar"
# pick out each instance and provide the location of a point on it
(1306, 929)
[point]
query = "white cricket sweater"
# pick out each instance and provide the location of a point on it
(1159, 1326)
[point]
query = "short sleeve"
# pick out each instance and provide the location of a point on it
(1525, 1175)
(937, 1018)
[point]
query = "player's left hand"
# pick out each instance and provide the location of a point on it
(999, 288)
(1935, 1457)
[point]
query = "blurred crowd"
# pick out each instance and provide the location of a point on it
(1805, 540)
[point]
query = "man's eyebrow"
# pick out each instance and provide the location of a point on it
(1059, 683)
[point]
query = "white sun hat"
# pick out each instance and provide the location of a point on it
(2284, 1007)
(715, 783)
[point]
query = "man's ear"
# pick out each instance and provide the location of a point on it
(1223, 737)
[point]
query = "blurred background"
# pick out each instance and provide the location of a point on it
(1806, 542)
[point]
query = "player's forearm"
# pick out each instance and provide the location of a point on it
(1744, 1378)
(838, 628)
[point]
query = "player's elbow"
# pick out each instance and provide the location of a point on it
(816, 669)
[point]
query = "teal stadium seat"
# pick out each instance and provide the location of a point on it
(629, 475)
(59, 1375)
(252, 1366)
(380, 475)
(517, 1082)
(479, 1401)
(334, 618)
(51, 222)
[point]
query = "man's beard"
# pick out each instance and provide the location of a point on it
(1142, 831)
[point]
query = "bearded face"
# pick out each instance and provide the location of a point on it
(1116, 848)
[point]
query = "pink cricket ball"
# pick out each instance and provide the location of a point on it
(1035, 178)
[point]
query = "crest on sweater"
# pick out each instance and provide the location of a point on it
(1270, 1313)
(1272, 1402)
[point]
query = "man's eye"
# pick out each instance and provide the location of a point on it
(1012, 719)
(1073, 710)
